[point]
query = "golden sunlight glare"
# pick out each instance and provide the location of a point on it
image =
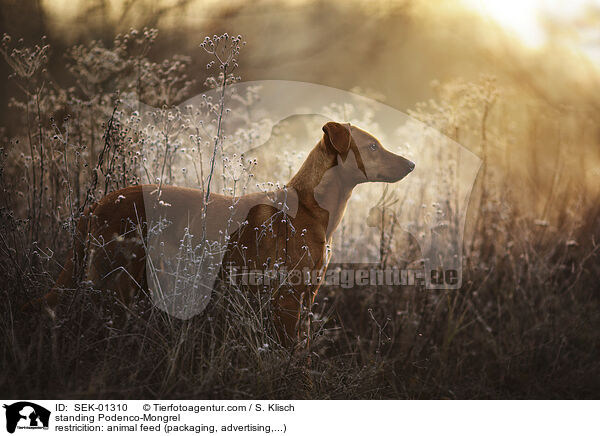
(524, 18)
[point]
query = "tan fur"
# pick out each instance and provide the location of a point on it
(110, 234)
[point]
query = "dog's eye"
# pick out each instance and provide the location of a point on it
(373, 146)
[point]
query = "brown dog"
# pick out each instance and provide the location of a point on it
(111, 245)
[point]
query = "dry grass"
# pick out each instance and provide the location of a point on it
(524, 324)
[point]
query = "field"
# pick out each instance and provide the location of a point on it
(85, 117)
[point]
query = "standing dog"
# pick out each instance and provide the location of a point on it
(113, 255)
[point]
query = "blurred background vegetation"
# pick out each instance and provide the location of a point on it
(546, 65)
(518, 86)
(396, 48)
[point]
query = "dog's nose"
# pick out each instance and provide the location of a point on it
(411, 165)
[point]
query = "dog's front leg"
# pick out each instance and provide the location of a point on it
(287, 318)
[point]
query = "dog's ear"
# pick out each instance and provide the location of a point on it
(338, 137)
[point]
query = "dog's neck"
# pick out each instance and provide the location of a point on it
(324, 186)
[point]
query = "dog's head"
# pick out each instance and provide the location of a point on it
(362, 156)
